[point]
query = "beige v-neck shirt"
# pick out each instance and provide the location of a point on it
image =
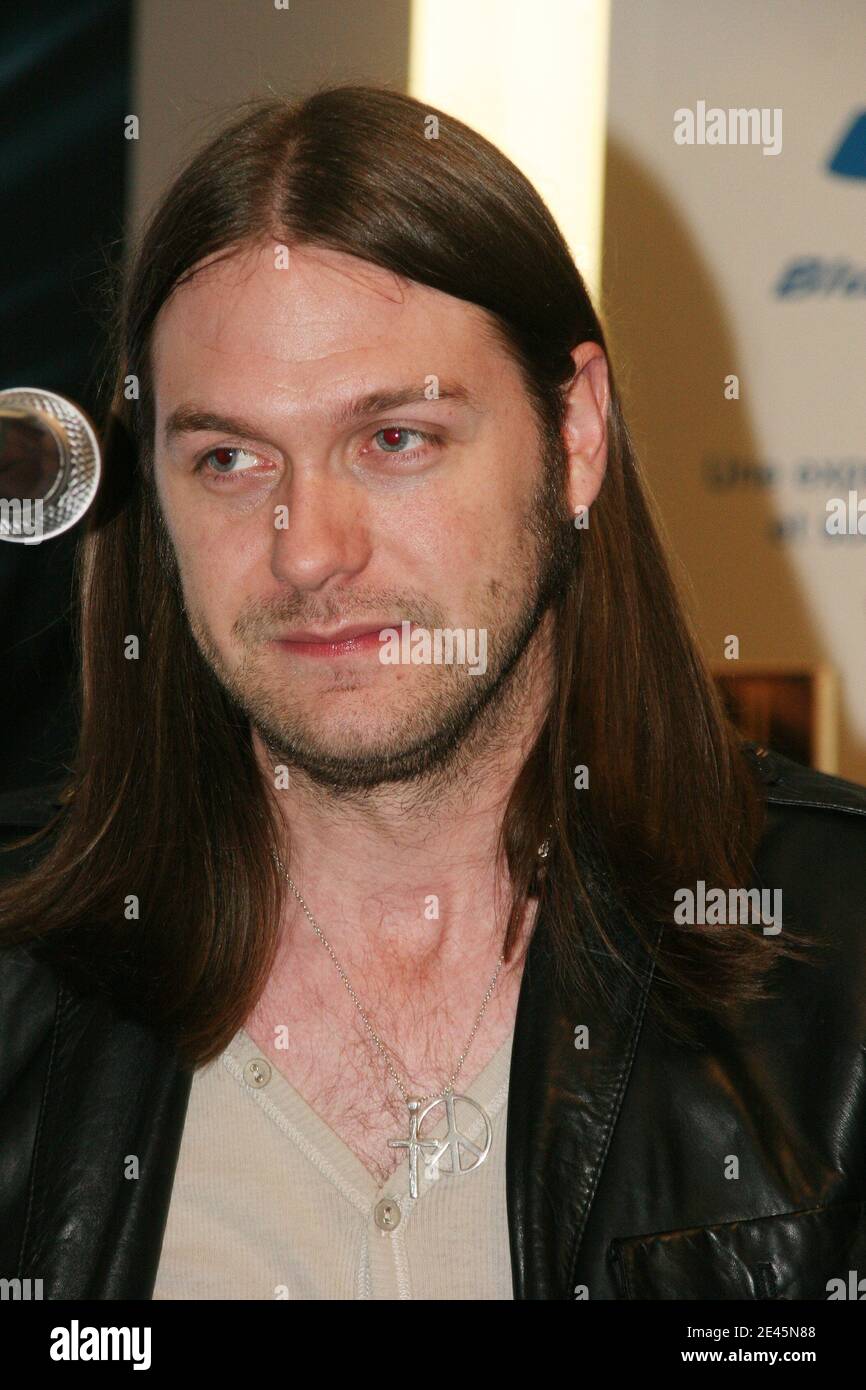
(269, 1202)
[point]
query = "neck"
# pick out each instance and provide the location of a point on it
(412, 870)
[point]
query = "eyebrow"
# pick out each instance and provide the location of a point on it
(190, 418)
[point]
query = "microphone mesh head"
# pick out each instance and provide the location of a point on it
(79, 466)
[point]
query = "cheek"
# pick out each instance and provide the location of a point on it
(214, 576)
(479, 539)
(470, 525)
(212, 550)
(434, 548)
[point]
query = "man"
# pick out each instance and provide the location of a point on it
(370, 953)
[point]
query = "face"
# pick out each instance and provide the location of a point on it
(341, 454)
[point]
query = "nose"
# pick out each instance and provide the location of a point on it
(321, 531)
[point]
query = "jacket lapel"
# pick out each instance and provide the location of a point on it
(563, 1104)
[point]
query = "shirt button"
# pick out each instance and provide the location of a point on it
(386, 1214)
(257, 1072)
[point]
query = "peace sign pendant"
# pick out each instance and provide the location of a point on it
(453, 1143)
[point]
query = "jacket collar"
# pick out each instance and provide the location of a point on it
(563, 1103)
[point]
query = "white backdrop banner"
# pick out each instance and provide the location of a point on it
(734, 282)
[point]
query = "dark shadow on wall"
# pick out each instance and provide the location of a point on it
(66, 84)
(64, 91)
(672, 347)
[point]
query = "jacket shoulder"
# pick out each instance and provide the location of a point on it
(28, 1009)
(789, 783)
(28, 997)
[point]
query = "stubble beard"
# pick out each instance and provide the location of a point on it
(460, 721)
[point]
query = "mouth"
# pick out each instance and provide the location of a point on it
(353, 639)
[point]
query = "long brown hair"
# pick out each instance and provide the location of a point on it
(166, 803)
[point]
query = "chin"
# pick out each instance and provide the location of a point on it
(349, 741)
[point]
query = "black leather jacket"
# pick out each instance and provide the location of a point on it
(616, 1154)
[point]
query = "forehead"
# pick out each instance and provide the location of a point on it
(325, 319)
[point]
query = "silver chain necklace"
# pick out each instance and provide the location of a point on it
(455, 1142)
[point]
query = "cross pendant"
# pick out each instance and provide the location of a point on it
(414, 1145)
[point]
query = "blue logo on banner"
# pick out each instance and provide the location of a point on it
(850, 158)
(806, 276)
(814, 275)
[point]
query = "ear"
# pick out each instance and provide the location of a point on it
(585, 426)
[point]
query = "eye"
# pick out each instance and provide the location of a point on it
(223, 459)
(393, 436)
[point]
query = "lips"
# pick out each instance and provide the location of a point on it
(353, 639)
(339, 635)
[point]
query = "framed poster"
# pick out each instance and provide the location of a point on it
(787, 706)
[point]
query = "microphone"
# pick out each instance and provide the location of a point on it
(50, 464)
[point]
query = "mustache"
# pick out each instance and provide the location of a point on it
(260, 622)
